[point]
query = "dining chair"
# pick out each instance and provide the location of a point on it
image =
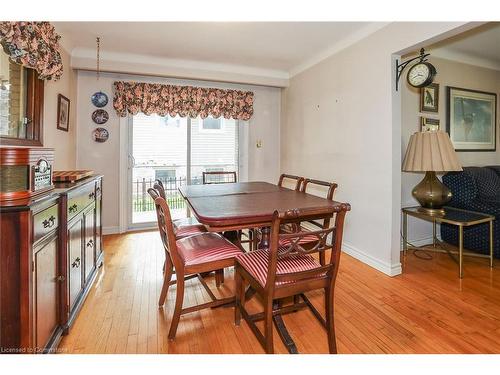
(183, 226)
(219, 177)
(190, 256)
(298, 180)
(314, 224)
(289, 270)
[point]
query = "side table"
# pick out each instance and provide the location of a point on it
(454, 216)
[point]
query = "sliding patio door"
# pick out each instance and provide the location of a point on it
(175, 150)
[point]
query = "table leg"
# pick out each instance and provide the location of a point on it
(405, 233)
(434, 233)
(491, 243)
(460, 250)
(264, 241)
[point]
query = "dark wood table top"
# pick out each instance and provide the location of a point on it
(245, 204)
(193, 191)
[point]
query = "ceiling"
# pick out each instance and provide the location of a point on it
(479, 46)
(279, 46)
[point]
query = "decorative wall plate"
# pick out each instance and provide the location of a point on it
(100, 116)
(100, 135)
(99, 99)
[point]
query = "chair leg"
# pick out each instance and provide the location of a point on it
(219, 277)
(330, 321)
(167, 276)
(240, 297)
(268, 326)
(179, 299)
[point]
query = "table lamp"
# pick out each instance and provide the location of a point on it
(431, 152)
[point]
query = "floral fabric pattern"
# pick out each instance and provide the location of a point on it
(185, 101)
(34, 45)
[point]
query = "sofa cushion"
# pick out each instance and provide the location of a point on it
(463, 186)
(487, 182)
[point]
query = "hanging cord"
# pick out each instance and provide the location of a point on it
(416, 250)
(98, 41)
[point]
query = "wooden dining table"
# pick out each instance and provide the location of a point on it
(246, 205)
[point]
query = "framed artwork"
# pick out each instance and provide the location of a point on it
(62, 112)
(429, 124)
(471, 119)
(429, 98)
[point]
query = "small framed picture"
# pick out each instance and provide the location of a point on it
(62, 113)
(429, 98)
(429, 124)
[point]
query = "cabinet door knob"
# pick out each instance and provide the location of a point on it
(73, 208)
(90, 243)
(76, 263)
(91, 195)
(60, 278)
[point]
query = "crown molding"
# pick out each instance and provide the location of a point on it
(85, 59)
(369, 29)
(465, 58)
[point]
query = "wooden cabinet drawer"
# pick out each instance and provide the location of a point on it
(45, 222)
(80, 199)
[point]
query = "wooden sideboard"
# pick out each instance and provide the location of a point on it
(50, 253)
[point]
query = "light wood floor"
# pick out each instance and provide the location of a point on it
(427, 309)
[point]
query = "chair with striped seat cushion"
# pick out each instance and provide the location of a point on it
(189, 230)
(191, 256)
(287, 268)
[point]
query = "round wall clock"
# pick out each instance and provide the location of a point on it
(100, 135)
(99, 99)
(421, 74)
(100, 116)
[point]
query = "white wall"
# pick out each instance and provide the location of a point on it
(341, 122)
(449, 73)
(63, 142)
(104, 158)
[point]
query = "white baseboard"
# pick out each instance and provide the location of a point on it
(387, 268)
(110, 230)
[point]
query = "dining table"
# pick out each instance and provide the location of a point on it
(246, 205)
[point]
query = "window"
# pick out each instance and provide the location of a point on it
(211, 124)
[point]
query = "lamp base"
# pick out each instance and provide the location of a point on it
(432, 194)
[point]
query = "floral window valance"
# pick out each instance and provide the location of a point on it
(186, 101)
(34, 45)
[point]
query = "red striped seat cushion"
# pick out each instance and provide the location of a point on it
(189, 230)
(256, 263)
(205, 248)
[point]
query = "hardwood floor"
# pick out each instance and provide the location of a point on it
(427, 309)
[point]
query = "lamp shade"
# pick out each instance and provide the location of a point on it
(431, 151)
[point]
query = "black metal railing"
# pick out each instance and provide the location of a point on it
(142, 202)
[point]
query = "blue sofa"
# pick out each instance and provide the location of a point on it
(475, 189)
